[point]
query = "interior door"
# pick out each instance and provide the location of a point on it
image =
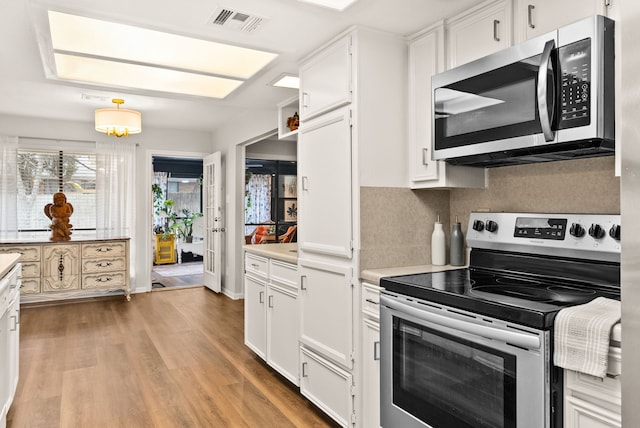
(213, 221)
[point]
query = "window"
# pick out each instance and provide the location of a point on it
(41, 173)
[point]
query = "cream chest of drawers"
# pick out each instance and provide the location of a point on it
(62, 270)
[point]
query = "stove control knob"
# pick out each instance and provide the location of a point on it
(614, 232)
(576, 230)
(596, 231)
(491, 226)
(478, 225)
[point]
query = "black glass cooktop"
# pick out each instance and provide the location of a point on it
(528, 300)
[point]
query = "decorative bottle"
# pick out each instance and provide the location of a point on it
(456, 258)
(438, 249)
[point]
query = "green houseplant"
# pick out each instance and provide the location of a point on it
(185, 229)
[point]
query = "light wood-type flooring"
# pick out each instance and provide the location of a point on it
(171, 359)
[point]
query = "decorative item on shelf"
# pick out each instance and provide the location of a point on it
(438, 256)
(59, 212)
(456, 257)
(117, 121)
(293, 122)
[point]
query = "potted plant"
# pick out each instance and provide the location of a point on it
(186, 227)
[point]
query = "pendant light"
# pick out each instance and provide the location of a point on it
(117, 121)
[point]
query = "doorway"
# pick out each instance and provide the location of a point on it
(178, 238)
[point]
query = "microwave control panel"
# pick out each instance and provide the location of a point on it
(575, 98)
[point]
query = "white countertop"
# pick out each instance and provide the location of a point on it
(283, 252)
(7, 261)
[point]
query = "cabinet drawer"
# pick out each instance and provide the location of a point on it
(30, 269)
(102, 249)
(30, 285)
(103, 265)
(104, 280)
(29, 253)
(283, 273)
(371, 300)
(256, 265)
(327, 386)
(607, 389)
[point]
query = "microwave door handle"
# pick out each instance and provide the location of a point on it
(545, 120)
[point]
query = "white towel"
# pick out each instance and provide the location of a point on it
(582, 336)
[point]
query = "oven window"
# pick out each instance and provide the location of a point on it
(446, 381)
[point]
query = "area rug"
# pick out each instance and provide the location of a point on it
(179, 269)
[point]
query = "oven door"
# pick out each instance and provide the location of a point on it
(443, 367)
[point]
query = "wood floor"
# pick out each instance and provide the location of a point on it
(172, 359)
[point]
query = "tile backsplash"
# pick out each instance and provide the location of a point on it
(396, 223)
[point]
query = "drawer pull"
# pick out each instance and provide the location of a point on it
(103, 279)
(103, 249)
(530, 15)
(255, 266)
(373, 302)
(104, 264)
(496, 23)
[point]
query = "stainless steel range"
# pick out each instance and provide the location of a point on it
(472, 347)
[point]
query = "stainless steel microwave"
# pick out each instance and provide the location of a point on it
(549, 98)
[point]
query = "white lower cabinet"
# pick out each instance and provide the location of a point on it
(9, 338)
(370, 374)
(327, 386)
(271, 313)
(591, 402)
(255, 332)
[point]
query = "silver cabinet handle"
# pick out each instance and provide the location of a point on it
(530, 15)
(305, 99)
(496, 23)
(376, 351)
(305, 182)
(261, 299)
(373, 302)
(304, 370)
(270, 304)
(303, 281)
(425, 156)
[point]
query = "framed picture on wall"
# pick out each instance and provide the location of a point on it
(291, 210)
(290, 186)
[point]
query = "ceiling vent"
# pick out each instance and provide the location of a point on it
(234, 20)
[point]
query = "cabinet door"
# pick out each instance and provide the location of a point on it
(582, 414)
(325, 193)
(535, 17)
(13, 330)
(325, 79)
(326, 310)
(327, 386)
(370, 373)
(282, 332)
(479, 33)
(426, 58)
(61, 266)
(255, 330)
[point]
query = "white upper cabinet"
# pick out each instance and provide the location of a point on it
(426, 58)
(535, 17)
(325, 80)
(479, 32)
(324, 193)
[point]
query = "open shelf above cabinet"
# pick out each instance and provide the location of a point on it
(287, 109)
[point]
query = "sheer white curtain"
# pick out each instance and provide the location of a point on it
(8, 186)
(115, 191)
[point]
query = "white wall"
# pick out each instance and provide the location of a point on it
(165, 140)
(253, 126)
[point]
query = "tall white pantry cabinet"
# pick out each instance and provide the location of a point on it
(352, 134)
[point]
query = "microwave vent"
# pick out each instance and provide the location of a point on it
(235, 20)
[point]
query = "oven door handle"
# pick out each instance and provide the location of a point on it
(521, 339)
